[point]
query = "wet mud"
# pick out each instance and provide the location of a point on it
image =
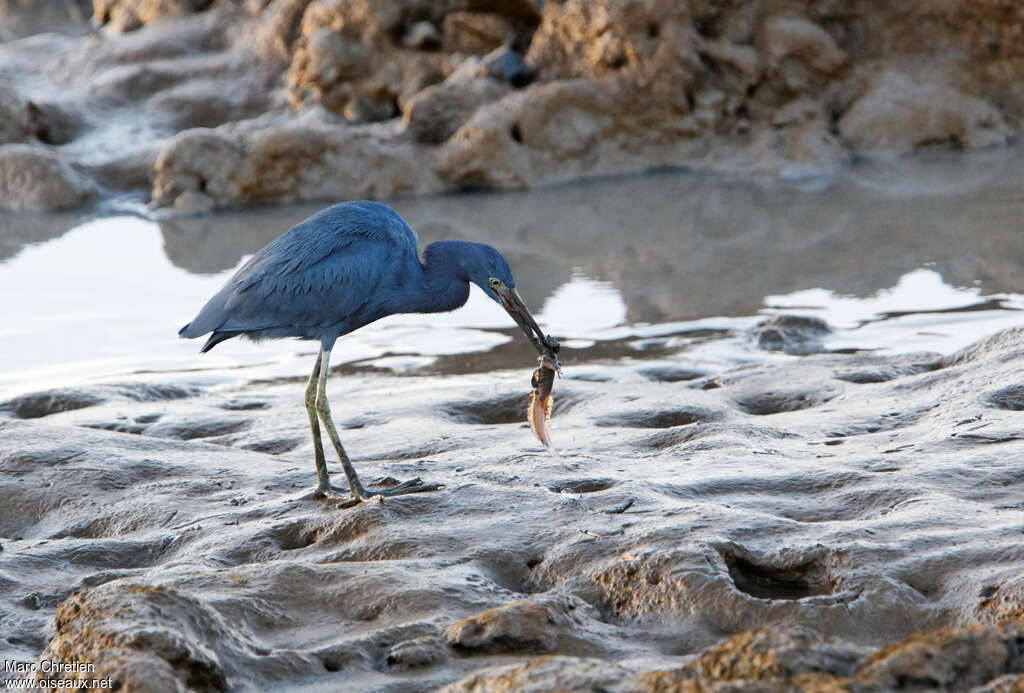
(689, 538)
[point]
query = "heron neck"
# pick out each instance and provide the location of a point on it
(444, 285)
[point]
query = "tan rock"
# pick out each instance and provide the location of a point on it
(34, 178)
(476, 32)
(902, 110)
(425, 651)
(948, 659)
(545, 675)
(791, 36)
(126, 15)
(435, 113)
(289, 161)
(525, 135)
(645, 47)
(776, 654)
(541, 624)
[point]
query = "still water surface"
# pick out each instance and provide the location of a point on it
(670, 266)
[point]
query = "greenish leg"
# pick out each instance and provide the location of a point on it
(323, 408)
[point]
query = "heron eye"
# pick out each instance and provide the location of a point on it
(495, 283)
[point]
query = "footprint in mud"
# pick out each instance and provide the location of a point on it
(581, 485)
(783, 400)
(191, 428)
(130, 427)
(36, 405)
(273, 446)
(671, 374)
(771, 582)
(666, 418)
(502, 409)
(1010, 398)
(240, 404)
(886, 372)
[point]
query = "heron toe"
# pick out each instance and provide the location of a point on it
(416, 485)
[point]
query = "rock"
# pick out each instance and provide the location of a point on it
(550, 623)
(202, 168)
(778, 655)
(276, 27)
(756, 88)
(32, 178)
(55, 124)
(786, 41)
(506, 65)
(740, 64)
(199, 161)
(15, 114)
(21, 18)
(435, 113)
(126, 15)
(793, 334)
(545, 675)
(207, 103)
(1011, 683)
(528, 135)
(349, 58)
(146, 638)
(425, 651)
(900, 111)
(476, 32)
(422, 36)
(645, 49)
(134, 82)
(953, 659)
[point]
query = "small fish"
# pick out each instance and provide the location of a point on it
(539, 411)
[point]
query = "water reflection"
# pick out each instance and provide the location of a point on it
(681, 247)
(596, 260)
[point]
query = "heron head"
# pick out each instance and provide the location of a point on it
(485, 267)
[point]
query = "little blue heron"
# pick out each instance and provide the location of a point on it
(345, 267)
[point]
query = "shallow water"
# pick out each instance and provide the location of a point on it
(892, 254)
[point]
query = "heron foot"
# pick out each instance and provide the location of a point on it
(416, 485)
(348, 500)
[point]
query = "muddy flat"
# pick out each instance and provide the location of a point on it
(833, 454)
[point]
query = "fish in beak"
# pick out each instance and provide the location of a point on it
(545, 345)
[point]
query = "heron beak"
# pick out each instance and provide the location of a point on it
(512, 302)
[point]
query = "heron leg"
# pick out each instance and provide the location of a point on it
(323, 480)
(323, 408)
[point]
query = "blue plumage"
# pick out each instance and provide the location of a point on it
(341, 269)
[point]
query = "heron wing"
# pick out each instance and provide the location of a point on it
(317, 274)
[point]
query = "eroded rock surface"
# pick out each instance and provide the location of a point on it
(506, 93)
(686, 541)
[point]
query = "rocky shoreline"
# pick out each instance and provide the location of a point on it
(832, 522)
(200, 104)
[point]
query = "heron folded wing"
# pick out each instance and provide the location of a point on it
(304, 280)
